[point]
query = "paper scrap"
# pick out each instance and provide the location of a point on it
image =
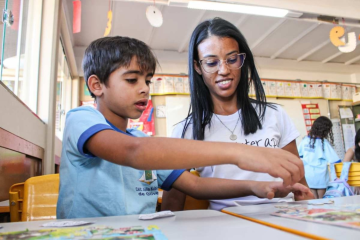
(320, 203)
(156, 215)
(65, 224)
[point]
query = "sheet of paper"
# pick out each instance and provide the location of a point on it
(159, 83)
(296, 89)
(169, 85)
(65, 224)
(179, 84)
(349, 135)
(338, 139)
(326, 91)
(271, 87)
(156, 215)
(280, 91)
(186, 85)
(346, 113)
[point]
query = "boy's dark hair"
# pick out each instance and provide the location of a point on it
(104, 55)
(321, 128)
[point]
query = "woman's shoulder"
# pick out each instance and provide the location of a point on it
(179, 127)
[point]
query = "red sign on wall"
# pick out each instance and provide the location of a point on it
(311, 112)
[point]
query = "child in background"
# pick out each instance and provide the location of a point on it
(353, 154)
(316, 152)
(101, 160)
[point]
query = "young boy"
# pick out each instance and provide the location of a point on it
(99, 172)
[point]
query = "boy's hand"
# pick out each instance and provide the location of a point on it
(276, 189)
(276, 162)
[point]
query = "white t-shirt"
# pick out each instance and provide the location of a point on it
(277, 131)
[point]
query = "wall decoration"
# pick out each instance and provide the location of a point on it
(337, 38)
(169, 85)
(347, 92)
(311, 112)
(109, 23)
(280, 89)
(76, 16)
(158, 83)
(332, 91)
(179, 84)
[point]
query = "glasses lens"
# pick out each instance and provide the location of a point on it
(235, 61)
(210, 65)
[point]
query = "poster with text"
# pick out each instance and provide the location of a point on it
(311, 112)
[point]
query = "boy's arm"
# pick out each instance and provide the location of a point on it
(154, 153)
(216, 188)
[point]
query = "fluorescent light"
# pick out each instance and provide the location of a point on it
(227, 7)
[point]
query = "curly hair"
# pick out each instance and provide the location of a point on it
(357, 147)
(322, 128)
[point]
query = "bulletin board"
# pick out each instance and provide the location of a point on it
(311, 112)
(179, 85)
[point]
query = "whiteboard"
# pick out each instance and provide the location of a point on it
(177, 108)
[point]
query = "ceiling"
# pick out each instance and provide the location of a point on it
(270, 38)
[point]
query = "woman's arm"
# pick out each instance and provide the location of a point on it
(216, 188)
(349, 155)
(173, 200)
(291, 147)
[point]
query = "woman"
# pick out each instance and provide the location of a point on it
(316, 152)
(221, 71)
(353, 154)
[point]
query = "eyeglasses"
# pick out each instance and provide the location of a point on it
(212, 64)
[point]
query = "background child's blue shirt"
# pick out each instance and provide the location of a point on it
(316, 160)
(93, 187)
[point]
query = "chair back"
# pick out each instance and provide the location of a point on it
(40, 198)
(16, 196)
(354, 173)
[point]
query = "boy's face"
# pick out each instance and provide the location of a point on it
(127, 91)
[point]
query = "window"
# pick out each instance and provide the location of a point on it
(63, 92)
(20, 48)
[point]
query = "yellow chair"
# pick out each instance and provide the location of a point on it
(40, 198)
(16, 196)
(192, 203)
(35, 199)
(354, 173)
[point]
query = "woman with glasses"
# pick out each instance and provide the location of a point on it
(221, 71)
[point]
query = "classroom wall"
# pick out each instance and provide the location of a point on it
(16, 118)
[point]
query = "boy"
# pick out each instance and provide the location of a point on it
(99, 173)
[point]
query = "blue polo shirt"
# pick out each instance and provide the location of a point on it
(93, 187)
(316, 160)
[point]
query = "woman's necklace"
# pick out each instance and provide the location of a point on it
(233, 137)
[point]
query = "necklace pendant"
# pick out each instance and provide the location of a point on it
(233, 137)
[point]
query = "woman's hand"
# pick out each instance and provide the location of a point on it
(276, 162)
(272, 190)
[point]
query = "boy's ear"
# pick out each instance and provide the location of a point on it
(95, 86)
(197, 67)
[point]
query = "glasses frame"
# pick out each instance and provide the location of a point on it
(222, 60)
